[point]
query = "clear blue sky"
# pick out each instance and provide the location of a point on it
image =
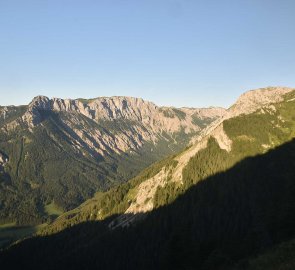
(173, 52)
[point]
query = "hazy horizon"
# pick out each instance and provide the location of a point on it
(146, 99)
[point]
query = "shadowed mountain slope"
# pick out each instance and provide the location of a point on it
(219, 221)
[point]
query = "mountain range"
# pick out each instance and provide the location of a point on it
(262, 130)
(219, 193)
(60, 152)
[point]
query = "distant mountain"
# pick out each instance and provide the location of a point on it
(58, 153)
(225, 199)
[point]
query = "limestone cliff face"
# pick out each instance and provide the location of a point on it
(143, 121)
(124, 108)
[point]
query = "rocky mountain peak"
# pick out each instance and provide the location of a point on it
(247, 103)
(252, 100)
(40, 102)
(32, 116)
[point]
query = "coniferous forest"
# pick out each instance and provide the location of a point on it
(220, 223)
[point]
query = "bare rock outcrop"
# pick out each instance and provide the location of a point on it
(132, 121)
(254, 99)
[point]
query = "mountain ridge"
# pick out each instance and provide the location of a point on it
(66, 150)
(146, 191)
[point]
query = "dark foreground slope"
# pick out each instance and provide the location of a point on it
(278, 257)
(216, 224)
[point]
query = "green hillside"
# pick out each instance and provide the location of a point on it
(216, 224)
(251, 134)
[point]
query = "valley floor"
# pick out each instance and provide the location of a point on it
(11, 232)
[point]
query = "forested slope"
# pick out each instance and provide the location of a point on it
(219, 221)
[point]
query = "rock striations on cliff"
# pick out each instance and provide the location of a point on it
(144, 120)
(65, 150)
